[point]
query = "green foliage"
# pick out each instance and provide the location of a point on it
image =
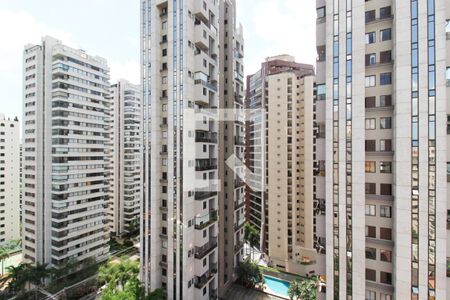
(304, 290)
(251, 234)
(249, 274)
(158, 294)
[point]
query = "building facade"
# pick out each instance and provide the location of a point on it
(126, 158)
(65, 137)
(180, 75)
(380, 68)
(281, 139)
(9, 179)
(231, 145)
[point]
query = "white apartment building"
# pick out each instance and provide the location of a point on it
(180, 75)
(126, 158)
(231, 144)
(65, 136)
(381, 71)
(9, 179)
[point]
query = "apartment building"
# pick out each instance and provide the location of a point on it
(9, 179)
(380, 68)
(281, 137)
(231, 145)
(65, 136)
(126, 158)
(180, 75)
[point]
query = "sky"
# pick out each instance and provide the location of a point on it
(110, 29)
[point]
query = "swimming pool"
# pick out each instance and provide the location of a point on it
(277, 286)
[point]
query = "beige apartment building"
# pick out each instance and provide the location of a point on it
(126, 158)
(281, 139)
(9, 179)
(381, 71)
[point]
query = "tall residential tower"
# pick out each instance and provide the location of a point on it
(65, 136)
(381, 69)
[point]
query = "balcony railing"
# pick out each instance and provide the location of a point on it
(202, 195)
(207, 84)
(206, 220)
(201, 281)
(205, 137)
(205, 164)
(238, 183)
(239, 140)
(239, 225)
(213, 268)
(200, 252)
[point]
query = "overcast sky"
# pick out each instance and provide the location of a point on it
(110, 28)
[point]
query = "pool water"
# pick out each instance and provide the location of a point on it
(277, 286)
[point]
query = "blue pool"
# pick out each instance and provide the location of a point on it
(277, 286)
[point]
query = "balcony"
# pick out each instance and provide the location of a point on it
(206, 164)
(447, 35)
(213, 268)
(238, 204)
(213, 294)
(238, 246)
(201, 11)
(202, 195)
(380, 197)
(201, 252)
(201, 37)
(238, 183)
(200, 282)
(206, 220)
(239, 224)
(208, 84)
(205, 137)
(239, 140)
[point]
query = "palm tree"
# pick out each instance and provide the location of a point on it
(251, 236)
(16, 277)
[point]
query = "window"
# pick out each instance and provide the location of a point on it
(371, 275)
(447, 76)
(385, 278)
(321, 92)
(385, 12)
(385, 34)
(385, 233)
(385, 255)
(370, 188)
(386, 189)
(371, 37)
(371, 210)
(371, 81)
(370, 145)
(370, 16)
(385, 145)
(385, 57)
(386, 123)
(371, 59)
(385, 297)
(385, 78)
(370, 102)
(385, 100)
(371, 295)
(371, 167)
(164, 80)
(385, 167)
(371, 124)
(321, 13)
(164, 25)
(385, 211)
(371, 253)
(164, 52)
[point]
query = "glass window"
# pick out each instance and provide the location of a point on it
(385, 297)
(371, 253)
(370, 16)
(371, 295)
(371, 37)
(371, 81)
(385, 34)
(371, 210)
(371, 275)
(447, 76)
(386, 123)
(385, 255)
(385, 145)
(371, 167)
(371, 124)
(370, 188)
(385, 167)
(385, 278)
(385, 211)
(321, 92)
(385, 78)
(385, 57)
(370, 145)
(386, 189)
(386, 233)
(385, 100)
(370, 102)
(371, 59)
(385, 12)
(321, 12)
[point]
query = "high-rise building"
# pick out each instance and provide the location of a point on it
(281, 137)
(231, 145)
(180, 74)
(9, 179)
(126, 158)
(381, 69)
(65, 137)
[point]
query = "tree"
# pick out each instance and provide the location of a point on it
(251, 236)
(304, 290)
(4, 254)
(249, 274)
(158, 294)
